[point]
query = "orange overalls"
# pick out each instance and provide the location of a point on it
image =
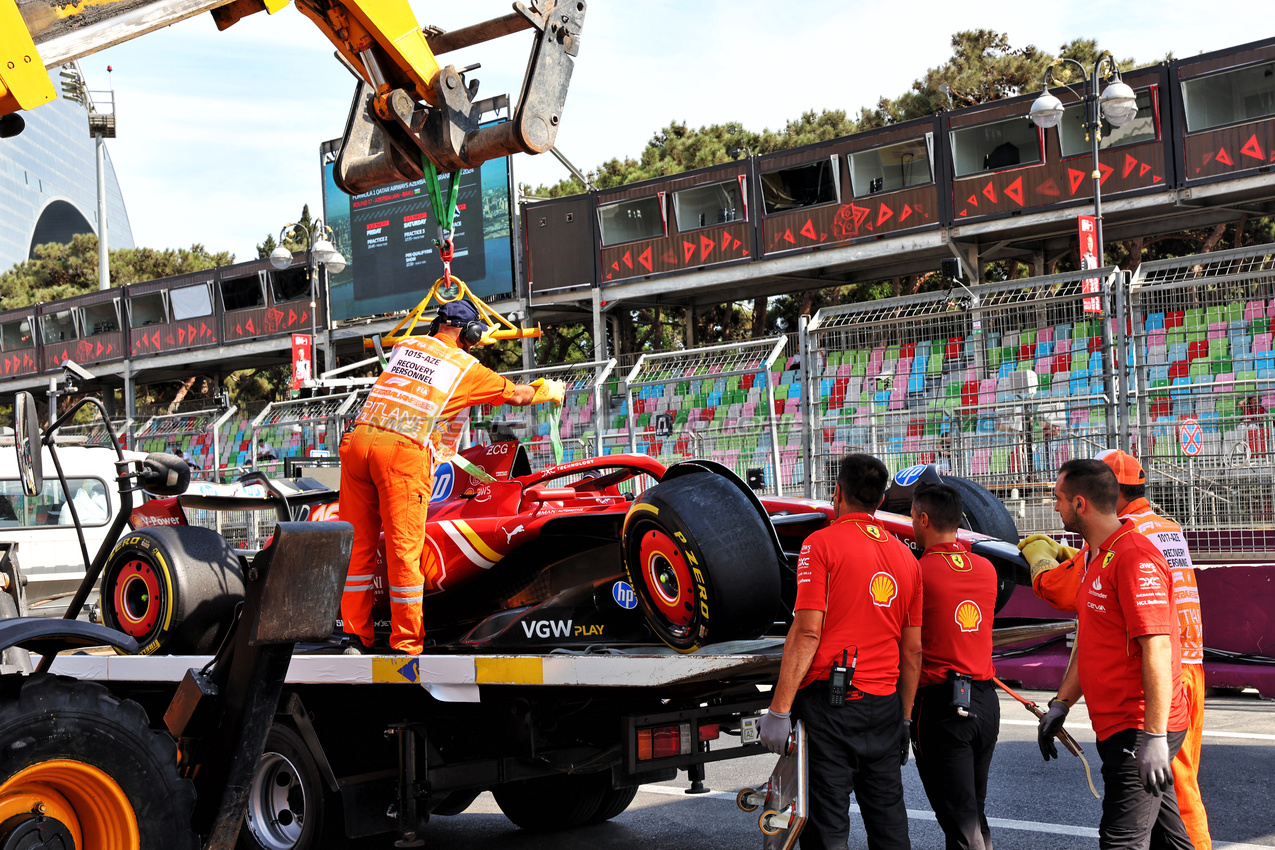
(411, 421)
(1059, 587)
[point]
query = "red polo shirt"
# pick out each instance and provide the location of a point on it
(868, 585)
(1124, 595)
(960, 601)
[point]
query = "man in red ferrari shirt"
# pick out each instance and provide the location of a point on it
(1127, 664)
(956, 718)
(858, 606)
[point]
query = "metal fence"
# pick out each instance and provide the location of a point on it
(568, 433)
(735, 403)
(1000, 384)
(97, 433)
(197, 435)
(1204, 374)
(300, 427)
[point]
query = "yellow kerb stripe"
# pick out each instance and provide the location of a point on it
(477, 542)
(508, 671)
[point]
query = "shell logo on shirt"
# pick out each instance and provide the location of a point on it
(883, 589)
(968, 616)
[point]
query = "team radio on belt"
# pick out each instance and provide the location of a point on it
(888, 654)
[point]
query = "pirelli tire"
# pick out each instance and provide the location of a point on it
(551, 803)
(985, 514)
(103, 776)
(702, 561)
(173, 589)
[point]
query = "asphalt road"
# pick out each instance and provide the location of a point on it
(1031, 804)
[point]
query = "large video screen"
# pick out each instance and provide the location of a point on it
(387, 237)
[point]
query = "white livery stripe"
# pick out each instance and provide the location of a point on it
(461, 543)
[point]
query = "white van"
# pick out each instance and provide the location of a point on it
(49, 551)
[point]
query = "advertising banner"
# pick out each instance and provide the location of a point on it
(302, 359)
(1089, 259)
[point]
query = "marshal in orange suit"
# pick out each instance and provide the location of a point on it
(411, 422)
(1058, 584)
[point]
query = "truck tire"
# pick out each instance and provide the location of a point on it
(985, 514)
(94, 762)
(549, 803)
(287, 802)
(15, 659)
(702, 562)
(173, 589)
(614, 802)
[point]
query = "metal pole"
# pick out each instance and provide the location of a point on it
(774, 428)
(103, 253)
(1124, 353)
(808, 405)
(1095, 136)
(1108, 368)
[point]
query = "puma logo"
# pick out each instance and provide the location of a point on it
(509, 535)
(1133, 754)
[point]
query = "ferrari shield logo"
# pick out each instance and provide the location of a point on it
(873, 532)
(960, 563)
(1107, 559)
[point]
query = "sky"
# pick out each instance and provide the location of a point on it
(219, 133)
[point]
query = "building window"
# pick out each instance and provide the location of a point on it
(101, 318)
(891, 167)
(191, 302)
(704, 206)
(1073, 140)
(242, 293)
(1001, 144)
(16, 335)
(1231, 97)
(629, 221)
(58, 327)
(146, 310)
(290, 284)
(801, 186)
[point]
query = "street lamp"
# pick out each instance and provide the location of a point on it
(1117, 104)
(319, 251)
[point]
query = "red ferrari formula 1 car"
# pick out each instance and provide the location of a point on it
(613, 551)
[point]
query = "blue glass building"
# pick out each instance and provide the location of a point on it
(48, 184)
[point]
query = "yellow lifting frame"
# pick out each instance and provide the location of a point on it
(498, 327)
(24, 84)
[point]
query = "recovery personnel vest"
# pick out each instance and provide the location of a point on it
(420, 378)
(1168, 538)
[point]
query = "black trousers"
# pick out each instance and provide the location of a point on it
(953, 756)
(853, 748)
(1132, 819)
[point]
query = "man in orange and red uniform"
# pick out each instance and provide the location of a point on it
(956, 719)
(1126, 663)
(1058, 584)
(858, 606)
(411, 422)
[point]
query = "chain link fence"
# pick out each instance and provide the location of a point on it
(197, 435)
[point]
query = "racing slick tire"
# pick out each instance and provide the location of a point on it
(173, 589)
(702, 561)
(105, 778)
(550, 803)
(985, 514)
(287, 801)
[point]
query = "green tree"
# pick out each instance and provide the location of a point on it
(294, 240)
(63, 270)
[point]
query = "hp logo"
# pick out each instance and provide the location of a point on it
(623, 594)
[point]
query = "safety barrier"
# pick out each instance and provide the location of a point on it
(98, 434)
(196, 435)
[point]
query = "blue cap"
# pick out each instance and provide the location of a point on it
(458, 313)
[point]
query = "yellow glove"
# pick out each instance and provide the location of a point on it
(1065, 553)
(1040, 551)
(548, 389)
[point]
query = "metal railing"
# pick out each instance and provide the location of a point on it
(175, 432)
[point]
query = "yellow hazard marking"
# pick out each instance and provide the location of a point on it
(508, 671)
(394, 670)
(480, 546)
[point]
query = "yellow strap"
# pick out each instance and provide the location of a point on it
(24, 83)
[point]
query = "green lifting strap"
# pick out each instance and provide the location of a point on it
(446, 215)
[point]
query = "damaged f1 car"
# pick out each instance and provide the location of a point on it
(614, 551)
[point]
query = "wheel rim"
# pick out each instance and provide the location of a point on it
(668, 580)
(136, 598)
(84, 798)
(276, 803)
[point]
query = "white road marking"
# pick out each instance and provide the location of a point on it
(1250, 736)
(922, 814)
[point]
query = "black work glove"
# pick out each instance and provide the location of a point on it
(905, 741)
(1153, 763)
(1050, 723)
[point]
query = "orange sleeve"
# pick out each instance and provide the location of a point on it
(483, 386)
(1061, 585)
